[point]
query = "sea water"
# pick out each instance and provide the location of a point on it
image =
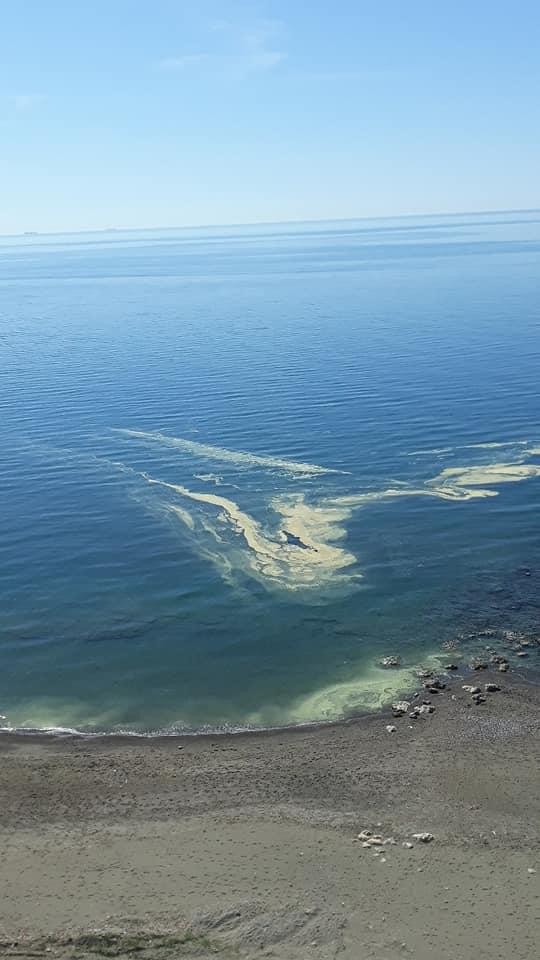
(240, 465)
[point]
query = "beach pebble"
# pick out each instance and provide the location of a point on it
(531, 870)
(522, 653)
(391, 661)
(376, 841)
(503, 667)
(423, 837)
(407, 845)
(425, 709)
(364, 835)
(434, 686)
(400, 707)
(390, 728)
(478, 698)
(469, 689)
(491, 687)
(479, 665)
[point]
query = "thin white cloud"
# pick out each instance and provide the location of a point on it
(246, 48)
(266, 59)
(23, 102)
(260, 34)
(258, 44)
(174, 64)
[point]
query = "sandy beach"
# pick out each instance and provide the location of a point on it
(247, 845)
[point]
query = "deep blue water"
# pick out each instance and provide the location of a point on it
(351, 363)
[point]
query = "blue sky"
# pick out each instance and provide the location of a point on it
(133, 113)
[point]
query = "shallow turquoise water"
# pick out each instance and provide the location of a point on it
(349, 364)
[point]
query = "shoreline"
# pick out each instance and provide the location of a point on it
(462, 669)
(61, 733)
(246, 844)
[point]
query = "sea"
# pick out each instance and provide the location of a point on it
(240, 465)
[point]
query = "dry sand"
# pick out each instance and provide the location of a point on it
(244, 845)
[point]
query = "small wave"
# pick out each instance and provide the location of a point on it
(52, 731)
(425, 453)
(214, 478)
(486, 445)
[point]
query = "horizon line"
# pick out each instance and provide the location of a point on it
(267, 223)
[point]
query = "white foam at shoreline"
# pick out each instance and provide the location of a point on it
(238, 457)
(371, 689)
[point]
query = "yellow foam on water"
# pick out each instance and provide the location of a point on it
(371, 689)
(374, 688)
(453, 483)
(271, 556)
(183, 515)
(466, 482)
(490, 473)
(302, 548)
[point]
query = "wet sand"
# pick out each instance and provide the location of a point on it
(246, 845)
